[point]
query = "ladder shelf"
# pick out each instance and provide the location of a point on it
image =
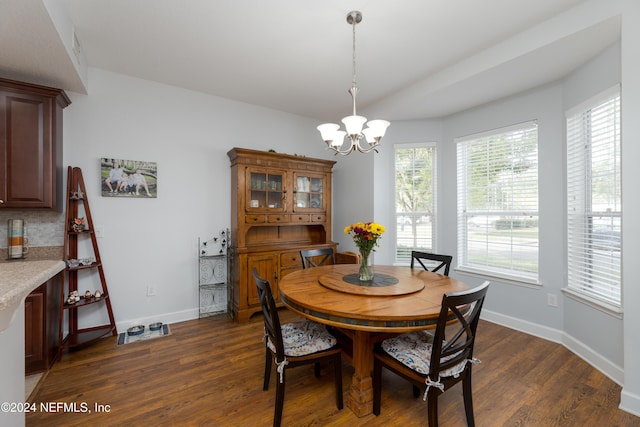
(76, 205)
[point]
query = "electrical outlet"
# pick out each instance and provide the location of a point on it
(552, 300)
(100, 231)
(151, 291)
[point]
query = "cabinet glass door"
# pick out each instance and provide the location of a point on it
(266, 190)
(309, 192)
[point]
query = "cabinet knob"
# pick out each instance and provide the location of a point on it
(1, 202)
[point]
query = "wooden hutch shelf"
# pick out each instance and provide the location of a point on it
(280, 204)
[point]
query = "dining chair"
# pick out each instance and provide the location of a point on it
(347, 257)
(311, 257)
(439, 364)
(444, 260)
(294, 344)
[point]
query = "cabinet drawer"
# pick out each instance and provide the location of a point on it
(289, 259)
(318, 217)
(277, 219)
(300, 218)
(254, 219)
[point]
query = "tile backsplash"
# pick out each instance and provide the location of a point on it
(44, 228)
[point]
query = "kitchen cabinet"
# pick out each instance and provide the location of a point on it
(30, 145)
(280, 204)
(41, 326)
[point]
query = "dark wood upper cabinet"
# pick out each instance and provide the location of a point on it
(30, 145)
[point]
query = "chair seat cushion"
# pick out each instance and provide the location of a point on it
(304, 337)
(413, 350)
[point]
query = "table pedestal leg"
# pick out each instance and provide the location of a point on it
(360, 398)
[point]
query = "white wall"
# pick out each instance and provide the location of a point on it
(630, 400)
(155, 241)
(353, 199)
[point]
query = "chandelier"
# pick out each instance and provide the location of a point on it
(331, 133)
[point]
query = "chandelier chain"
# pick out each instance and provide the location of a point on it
(353, 25)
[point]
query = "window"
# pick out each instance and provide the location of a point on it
(594, 199)
(498, 202)
(415, 199)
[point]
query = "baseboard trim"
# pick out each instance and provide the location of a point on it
(630, 402)
(599, 362)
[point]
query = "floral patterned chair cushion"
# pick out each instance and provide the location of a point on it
(413, 350)
(305, 337)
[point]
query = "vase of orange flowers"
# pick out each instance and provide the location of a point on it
(366, 236)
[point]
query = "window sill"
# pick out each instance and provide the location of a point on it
(609, 309)
(519, 281)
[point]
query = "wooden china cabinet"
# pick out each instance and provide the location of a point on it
(280, 204)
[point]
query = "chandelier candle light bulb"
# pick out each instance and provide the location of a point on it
(330, 133)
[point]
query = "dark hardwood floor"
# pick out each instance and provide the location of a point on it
(209, 372)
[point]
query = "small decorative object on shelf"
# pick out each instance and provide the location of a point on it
(76, 195)
(75, 263)
(75, 297)
(78, 225)
(366, 236)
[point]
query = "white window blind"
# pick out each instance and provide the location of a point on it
(415, 195)
(498, 202)
(594, 199)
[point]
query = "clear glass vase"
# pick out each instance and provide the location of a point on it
(366, 270)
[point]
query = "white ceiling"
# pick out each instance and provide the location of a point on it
(415, 58)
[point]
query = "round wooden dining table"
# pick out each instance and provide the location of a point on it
(399, 299)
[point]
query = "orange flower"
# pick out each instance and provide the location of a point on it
(365, 235)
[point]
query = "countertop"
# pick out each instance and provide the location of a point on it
(18, 278)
